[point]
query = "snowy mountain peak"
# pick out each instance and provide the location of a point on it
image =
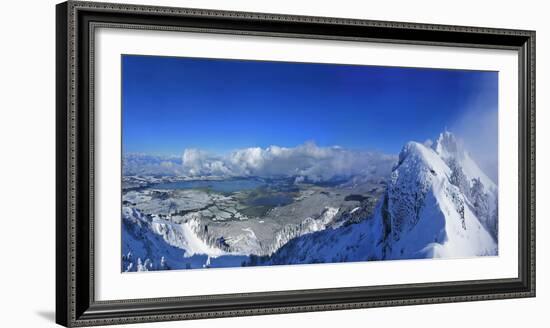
(419, 172)
(423, 214)
(448, 145)
(452, 150)
(425, 210)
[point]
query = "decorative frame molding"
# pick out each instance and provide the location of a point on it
(75, 30)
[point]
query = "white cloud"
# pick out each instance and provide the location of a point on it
(305, 161)
(196, 162)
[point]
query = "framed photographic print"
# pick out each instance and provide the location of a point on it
(215, 163)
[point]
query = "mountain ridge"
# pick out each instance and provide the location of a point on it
(422, 215)
(437, 204)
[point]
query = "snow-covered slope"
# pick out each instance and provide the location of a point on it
(437, 204)
(422, 215)
(307, 226)
(426, 215)
(152, 243)
(449, 148)
(478, 188)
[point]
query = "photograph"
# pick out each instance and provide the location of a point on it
(230, 163)
(234, 161)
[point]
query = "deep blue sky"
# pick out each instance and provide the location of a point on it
(170, 104)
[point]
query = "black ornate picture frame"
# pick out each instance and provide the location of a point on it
(75, 279)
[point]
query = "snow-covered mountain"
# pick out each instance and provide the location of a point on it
(478, 188)
(436, 205)
(157, 243)
(154, 243)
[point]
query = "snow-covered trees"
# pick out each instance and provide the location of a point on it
(163, 264)
(480, 200)
(127, 263)
(458, 178)
(485, 205)
(457, 198)
(144, 266)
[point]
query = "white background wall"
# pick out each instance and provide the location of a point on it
(27, 180)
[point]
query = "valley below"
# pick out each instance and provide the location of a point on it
(218, 222)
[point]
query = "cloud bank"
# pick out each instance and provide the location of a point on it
(307, 161)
